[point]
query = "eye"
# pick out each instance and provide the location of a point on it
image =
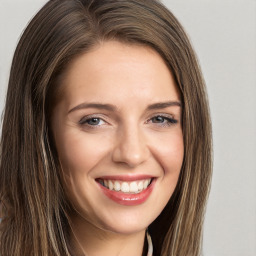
(92, 121)
(163, 120)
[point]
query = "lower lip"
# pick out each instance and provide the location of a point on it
(128, 199)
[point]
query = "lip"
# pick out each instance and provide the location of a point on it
(127, 177)
(128, 199)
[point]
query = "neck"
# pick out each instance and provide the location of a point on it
(89, 240)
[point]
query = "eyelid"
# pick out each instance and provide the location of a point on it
(88, 117)
(170, 119)
(165, 115)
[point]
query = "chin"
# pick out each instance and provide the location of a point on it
(127, 222)
(125, 227)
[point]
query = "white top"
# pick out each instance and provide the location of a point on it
(150, 245)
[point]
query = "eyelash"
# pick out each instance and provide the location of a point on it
(85, 121)
(167, 121)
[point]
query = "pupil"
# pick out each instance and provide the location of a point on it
(94, 121)
(159, 119)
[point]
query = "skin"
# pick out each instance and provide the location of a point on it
(126, 140)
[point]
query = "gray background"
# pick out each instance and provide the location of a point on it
(223, 33)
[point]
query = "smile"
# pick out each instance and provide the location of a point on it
(127, 192)
(126, 186)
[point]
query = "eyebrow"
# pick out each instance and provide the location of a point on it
(166, 104)
(109, 107)
(113, 108)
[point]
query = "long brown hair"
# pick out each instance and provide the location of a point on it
(34, 220)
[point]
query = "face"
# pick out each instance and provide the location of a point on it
(118, 134)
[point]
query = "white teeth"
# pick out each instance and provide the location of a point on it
(140, 186)
(110, 185)
(145, 184)
(117, 186)
(133, 187)
(126, 187)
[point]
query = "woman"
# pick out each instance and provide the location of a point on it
(106, 138)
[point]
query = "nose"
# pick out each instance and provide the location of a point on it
(131, 148)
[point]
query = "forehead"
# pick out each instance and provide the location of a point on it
(114, 70)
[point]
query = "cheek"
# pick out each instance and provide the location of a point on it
(170, 152)
(79, 153)
(172, 163)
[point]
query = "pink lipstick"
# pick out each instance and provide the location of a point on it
(128, 191)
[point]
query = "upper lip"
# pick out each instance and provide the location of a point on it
(126, 177)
